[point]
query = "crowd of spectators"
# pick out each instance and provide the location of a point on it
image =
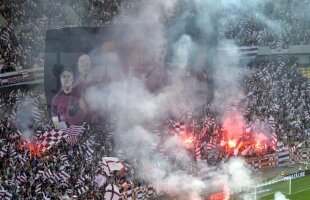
(22, 38)
(286, 21)
(278, 90)
(28, 174)
(23, 35)
(275, 90)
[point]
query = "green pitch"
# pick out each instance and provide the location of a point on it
(300, 190)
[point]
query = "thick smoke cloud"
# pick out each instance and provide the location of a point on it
(135, 109)
(27, 116)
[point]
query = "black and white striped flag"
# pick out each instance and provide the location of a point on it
(82, 190)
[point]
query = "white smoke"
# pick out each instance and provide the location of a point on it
(279, 196)
(25, 118)
(136, 109)
(182, 51)
(228, 77)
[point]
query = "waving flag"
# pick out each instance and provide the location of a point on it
(111, 192)
(49, 138)
(246, 150)
(38, 188)
(179, 128)
(272, 122)
(22, 178)
(4, 151)
(274, 139)
(82, 190)
(211, 144)
(110, 164)
(73, 133)
(150, 192)
(99, 180)
(140, 193)
(198, 153)
(64, 158)
(82, 179)
(63, 176)
(4, 194)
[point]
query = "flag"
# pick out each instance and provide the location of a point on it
(150, 192)
(22, 160)
(63, 158)
(4, 194)
(245, 151)
(208, 122)
(87, 150)
(63, 176)
(38, 188)
(37, 114)
(292, 149)
(82, 190)
(82, 179)
(272, 122)
(274, 139)
(4, 151)
(72, 134)
(179, 128)
(111, 192)
(49, 138)
(110, 164)
(139, 193)
(210, 146)
(39, 134)
(48, 175)
(71, 139)
(15, 135)
(129, 194)
(65, 183)
(22, 178)
(14, 154)
(39, 174)
(198, 153)
(99, 180)
(74, 130)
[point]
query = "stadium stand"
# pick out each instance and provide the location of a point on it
(276, 94)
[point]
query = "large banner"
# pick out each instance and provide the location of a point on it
(79, 58)
(73, 63)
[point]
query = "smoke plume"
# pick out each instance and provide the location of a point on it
(127, 97)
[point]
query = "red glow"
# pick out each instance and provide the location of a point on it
(240, 145)
(189, 140)
(231, 143)
(216, 196)
(33, 149)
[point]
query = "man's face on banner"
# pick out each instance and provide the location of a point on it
(84, 66)
(66, 79)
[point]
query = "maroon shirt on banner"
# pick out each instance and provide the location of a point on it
(66, 107)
